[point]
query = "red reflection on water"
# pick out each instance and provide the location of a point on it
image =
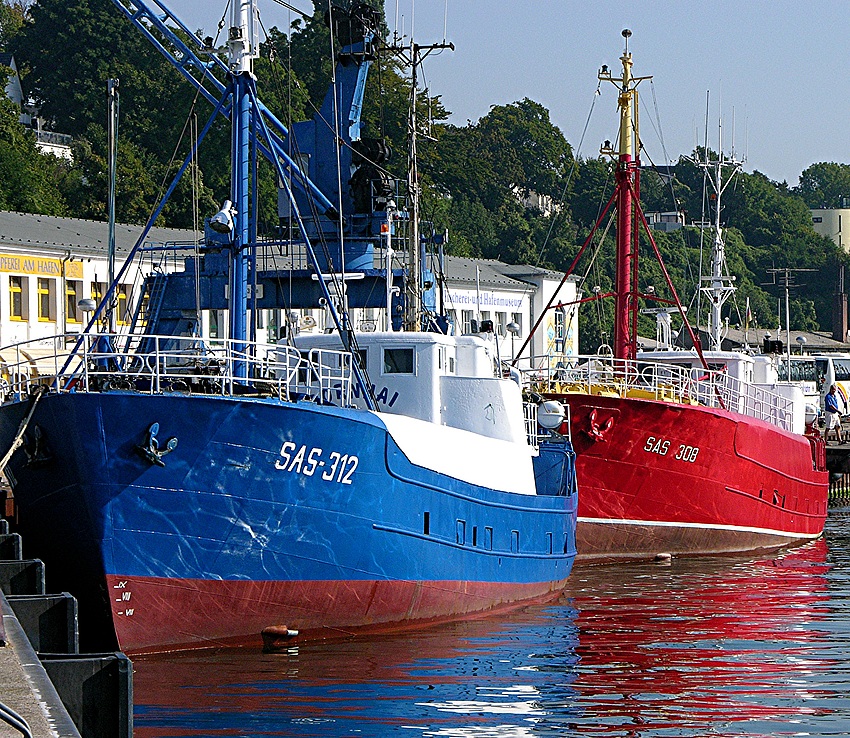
(693, 648)
(381, 682)
(719, 646)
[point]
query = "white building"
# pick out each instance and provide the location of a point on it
(833, 223)
(513, 297)
(48, 264)
(48, 142)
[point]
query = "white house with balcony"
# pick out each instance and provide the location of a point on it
(512, 298)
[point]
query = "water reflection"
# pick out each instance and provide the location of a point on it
(731, 647)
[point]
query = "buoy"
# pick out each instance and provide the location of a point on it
(550, 414)
(277, 638)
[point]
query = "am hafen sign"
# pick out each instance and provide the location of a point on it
(484, 300)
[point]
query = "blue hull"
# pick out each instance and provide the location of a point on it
(268, 513)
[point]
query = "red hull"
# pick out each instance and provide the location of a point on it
(663, 478)
(212, 613)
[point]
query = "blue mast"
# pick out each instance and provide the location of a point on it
(244, 48)
(256, 129)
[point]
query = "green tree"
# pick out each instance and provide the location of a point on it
(13, 15)
(28, 178)
(825, 185)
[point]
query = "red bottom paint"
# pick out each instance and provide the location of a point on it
(154, 615)
(657, 477)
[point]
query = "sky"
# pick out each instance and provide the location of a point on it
(774, 72)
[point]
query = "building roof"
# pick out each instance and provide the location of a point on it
(816, 342)
(89, 238)
(494, 273)
(83, 237)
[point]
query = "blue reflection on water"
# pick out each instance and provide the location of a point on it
(714, 647)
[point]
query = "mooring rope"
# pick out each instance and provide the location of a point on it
(19, 439)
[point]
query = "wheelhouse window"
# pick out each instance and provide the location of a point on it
(18, 297)
(398, 361)
(216, 324)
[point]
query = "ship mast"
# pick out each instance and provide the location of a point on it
(630, 221)
(627, 156)
(719, 285)
(243, 46)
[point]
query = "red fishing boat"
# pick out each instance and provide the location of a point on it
(681, 452)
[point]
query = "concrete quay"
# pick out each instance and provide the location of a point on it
(48, 689)
(25, 686)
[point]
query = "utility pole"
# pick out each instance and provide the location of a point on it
(413, 55)
(786, 279)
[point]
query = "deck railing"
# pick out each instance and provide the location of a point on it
(669, 382)
(155, 364)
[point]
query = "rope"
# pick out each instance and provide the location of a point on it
(19, 439)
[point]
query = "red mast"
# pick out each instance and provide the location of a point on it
(627, 178)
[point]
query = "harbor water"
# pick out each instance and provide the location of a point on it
(745, 646)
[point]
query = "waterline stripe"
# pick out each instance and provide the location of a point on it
(706, 526)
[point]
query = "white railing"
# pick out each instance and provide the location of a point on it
(529, 411)
(669, 382)
(158, 364)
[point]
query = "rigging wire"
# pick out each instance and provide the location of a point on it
(294, 154)
(287, 289)
(349, 340)
(670, 180)
(337, 137)
(292, 9)
(573, 170)
(190, 126)
(704, 207)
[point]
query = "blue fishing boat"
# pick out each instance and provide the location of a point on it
(196, 491)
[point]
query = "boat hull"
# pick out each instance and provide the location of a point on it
(264, 514)
(666, 478)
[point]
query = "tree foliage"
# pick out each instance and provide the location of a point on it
(825, 185)
(28, 178)
(506, 186)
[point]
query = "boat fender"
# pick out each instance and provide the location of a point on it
(550, 414)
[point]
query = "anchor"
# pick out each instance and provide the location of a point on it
(151, 451)
(36, 449)
(599, 431)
